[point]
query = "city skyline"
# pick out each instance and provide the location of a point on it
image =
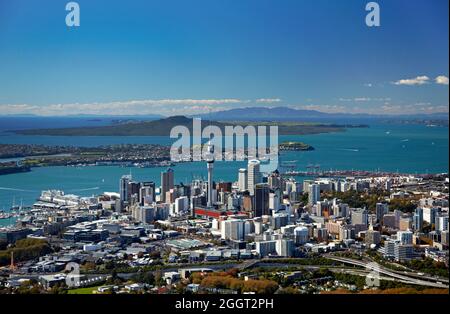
(211, 149)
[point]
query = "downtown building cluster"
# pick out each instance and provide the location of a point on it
(259, 216)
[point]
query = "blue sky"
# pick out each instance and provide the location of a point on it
(187, 57)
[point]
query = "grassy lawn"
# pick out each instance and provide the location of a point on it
(87, 290)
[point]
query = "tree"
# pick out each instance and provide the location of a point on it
(25, 249)
(159, 280)
(145, 277)
(155, 255)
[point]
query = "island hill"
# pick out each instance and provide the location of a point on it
(294, 146)
(162, 127)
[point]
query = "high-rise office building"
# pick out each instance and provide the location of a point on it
(254, 175)
(313, 194)
(279, 220)
(133, 192)
(261, 200)
(405, 237)
(429, 214)
(381, 209)
(372, 236)
(167, 179)
(243, 179)
(147, 193)
(321, 234)
(359, 217)
(181, 204)
(264, 248)
(284, 247)
(444, 237)
(144, 214)
(274, 201)
(405, 223)
(403, 252)
(394, 249)
(341, 210)
(123, 188)
(301, 235)
(323, 208)
(418, 219)
(274, 180)
(441, 223)
(233, 229)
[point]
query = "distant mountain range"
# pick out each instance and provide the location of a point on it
(290, 114)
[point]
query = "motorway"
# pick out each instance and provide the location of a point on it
(367, 267)
(429, 282)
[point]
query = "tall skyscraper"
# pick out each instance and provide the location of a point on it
(123, 188)
(301, 235)
(380, 210)
(274, 201)
(313, 194)
(166, 183)
(133, 191)
(429, 214)
(261, 199)
(147, 193)
(254, 175)
(274, 180)
(441, 223)
(243, 179)
(210, 166)
(418, 219)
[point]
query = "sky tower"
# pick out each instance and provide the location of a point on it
(210, 165)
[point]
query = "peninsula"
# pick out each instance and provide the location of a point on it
(162, 127)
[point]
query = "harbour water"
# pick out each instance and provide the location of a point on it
(386, 147)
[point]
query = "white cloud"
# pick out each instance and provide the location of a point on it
(130, 107)
(441, 80)
(419, 80)
(268, 100)
(167, 107)
(363, 99)
(386, 108)
(417, 108)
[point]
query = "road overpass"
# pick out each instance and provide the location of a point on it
(436, 283)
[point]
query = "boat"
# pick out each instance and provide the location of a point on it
(6, 215)
(14, 206)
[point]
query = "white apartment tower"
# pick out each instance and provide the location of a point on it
(243, 179)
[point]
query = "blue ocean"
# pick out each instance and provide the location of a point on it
(406, 148)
